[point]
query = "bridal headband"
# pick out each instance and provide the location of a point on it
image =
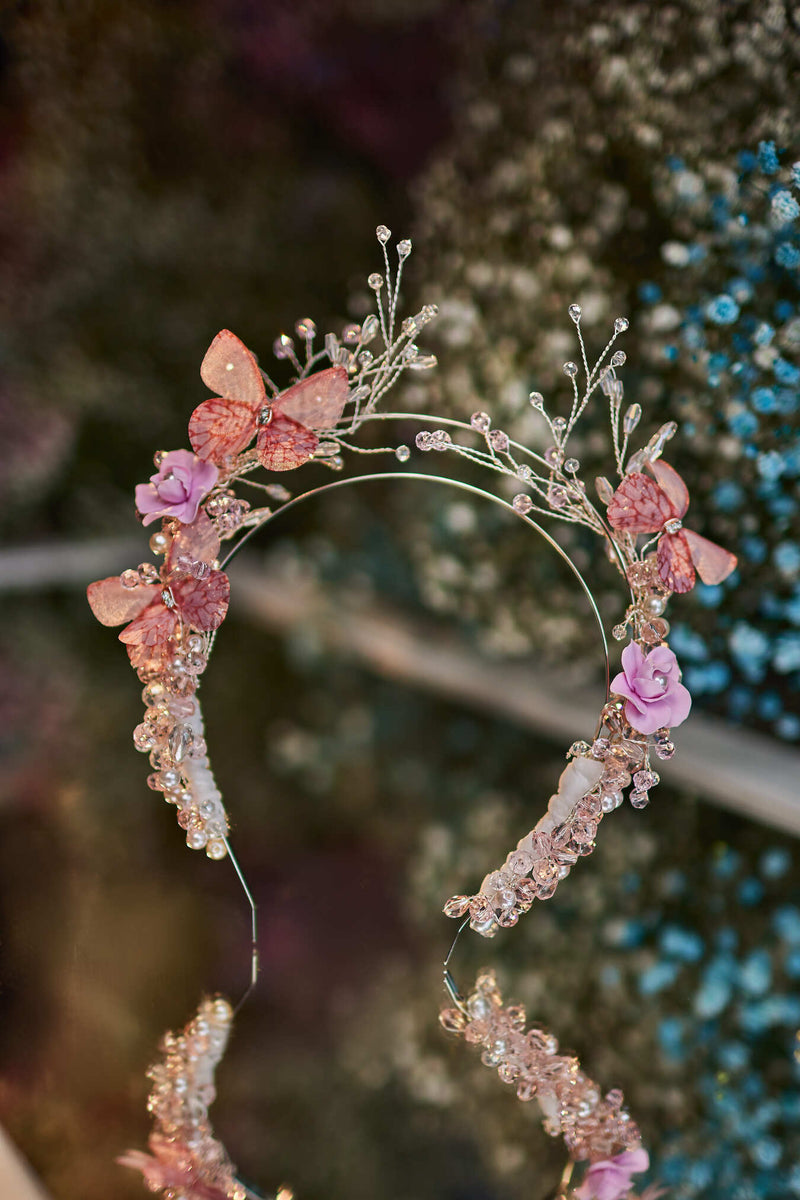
(206, 501)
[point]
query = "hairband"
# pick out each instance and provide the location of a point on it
(197, 498)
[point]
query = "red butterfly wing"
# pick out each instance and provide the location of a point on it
(675, 562)
(219, 428)
(150, 658)
(284, 444)
(316, 402)
(114, 604)
(231, 370)
(639, 505)
(156, 624)
(203, 603)
(198, 542)
(713, 562)
(670, 482)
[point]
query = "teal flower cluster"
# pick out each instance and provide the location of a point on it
(733, 283)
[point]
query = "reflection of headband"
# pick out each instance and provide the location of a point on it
(171, 615)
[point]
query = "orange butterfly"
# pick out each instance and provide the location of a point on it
(283, 426)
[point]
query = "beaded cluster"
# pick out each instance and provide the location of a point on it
(593, 1126)
(171, 614)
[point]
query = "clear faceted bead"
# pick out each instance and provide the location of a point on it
(571, 369)
(383, 234)
(522, 503)
(402, 454)
(375, 281)
(621, 324)
(574, 311)
(130, 578)
(481, 421)
(537, 400)
(618, 358)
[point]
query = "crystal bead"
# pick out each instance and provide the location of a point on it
(351, 335)
(527, 892)
(537, 400)
(571, 369)
(305, 328)
(153, 694)
(574, 311)
(498, 440)
(646, 779)
(144, 738)
(665, 750)
(525, 474)
(600, 747)
(130, 578)
(526, 1089)
(456, 906)
(621, 324)
(522, 503)
(639, 799)
(382, 233)
(481, 421)
(618, 358)
(402, 454)
(552, 456)
(632, 418)
(365, 358)
(557, 496)
(520, 862)
(440, 439)
(655, 631)
(423, 362)
(160, 542)
(559, 424)
(369, 328)
(375, 281)
(578, 749)
(659, 439)
(571, 466)
(423, 441)
(508, 918)
(159, 457)
(618, 632)
(283, 346)
(604, 489)
(403, 249)
(452, 1019)
(217, 505)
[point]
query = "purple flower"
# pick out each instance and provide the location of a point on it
(611, 1178)
(652, 686)
(177, 488)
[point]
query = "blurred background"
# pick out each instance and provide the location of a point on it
(170, 169)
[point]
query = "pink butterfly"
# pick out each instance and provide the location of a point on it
(191, 591)
(283, 426)
(644, 505)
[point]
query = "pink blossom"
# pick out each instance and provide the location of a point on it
(652, 686)
(172, 1166)
(611, 1178)
(177, 488)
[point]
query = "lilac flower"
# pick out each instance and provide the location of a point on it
(652, 686)
(177, 488)
(611, 1178)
